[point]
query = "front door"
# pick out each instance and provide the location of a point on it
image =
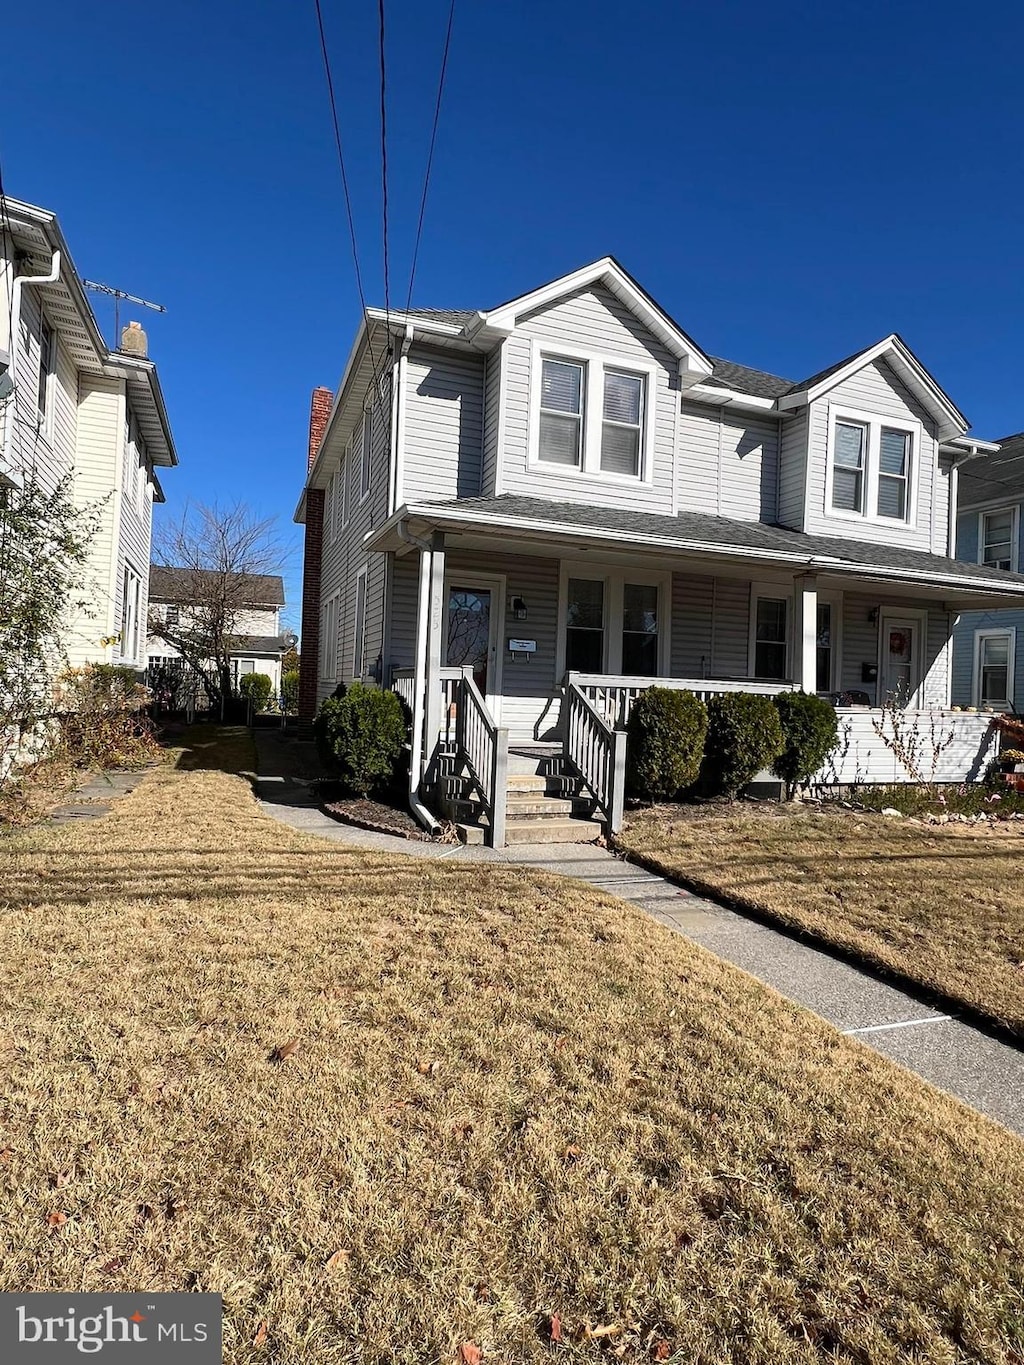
(474, 608)
(900, 677)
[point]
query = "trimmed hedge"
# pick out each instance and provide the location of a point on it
(810, 730)
(256, 688)
(361, 735)
(744, 736)
(667, 728)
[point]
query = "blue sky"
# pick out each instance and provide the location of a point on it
(791, 182)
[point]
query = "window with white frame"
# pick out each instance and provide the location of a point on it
(46, 368)
(131, 588)
(329, 639)
(993, 667)
(359, 643)
(825, 647)
(591, 415)
(871, 467)
(364, 474)
(997, 538)
(771, 637)
(584, 625)
(640, 630)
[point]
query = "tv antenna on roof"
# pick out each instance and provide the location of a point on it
(117, 295)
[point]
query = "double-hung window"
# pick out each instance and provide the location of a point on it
(329, 639)
(771, 639)
(871, 467)
(591, 415)
(993, 667)
(997, 534)
(131, 589)
(359, 646)
(561, 412)
(584, 625)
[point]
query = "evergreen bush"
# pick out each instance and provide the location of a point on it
(667, 728)
(256, 688)
(810, 730)
(290, 692)
(744, 736)
(361, 735)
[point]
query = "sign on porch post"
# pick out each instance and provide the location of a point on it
(805, 601)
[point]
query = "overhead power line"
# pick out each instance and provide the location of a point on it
(384, 158)
(430, 154)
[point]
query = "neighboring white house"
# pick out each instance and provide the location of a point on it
(77, 407)
(568, 498)
(257, 641)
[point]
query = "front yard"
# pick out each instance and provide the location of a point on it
(942, 905)
(396, 1110)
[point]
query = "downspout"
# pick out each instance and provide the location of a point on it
(16, 291)
(417, 807)
(398, 372)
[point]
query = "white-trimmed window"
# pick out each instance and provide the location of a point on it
(871, 467)
(616, 624)
(329, 639)
(770, 631)
(997, 538)
(584, 625)
(993, 667)
(246, 666)
(591, 414)
(365, 466)
(131, 590)
(359, 641)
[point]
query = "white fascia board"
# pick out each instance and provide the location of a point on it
(731, 398)
(604, 271)
(453, 518)
(128, 367)
(971, 446)
(400, 320)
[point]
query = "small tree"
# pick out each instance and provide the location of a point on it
(361, 735)
(212, 555)
(810, 731)
(667, 728)
(256, 688)
(744, 736)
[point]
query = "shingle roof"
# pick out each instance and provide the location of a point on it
(175, 584)
(999, 475)
(729, 534)
(728, 375)
(458, 317)
(257, 644)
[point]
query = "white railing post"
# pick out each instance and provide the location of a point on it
(499, 787)
(617, 781)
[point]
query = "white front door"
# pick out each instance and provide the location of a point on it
(475, 610)
(899, 678)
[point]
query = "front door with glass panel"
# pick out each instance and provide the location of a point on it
(900, 675)
(472, 633)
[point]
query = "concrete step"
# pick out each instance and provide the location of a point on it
(523, 807)
(552, 831)
(527, 759)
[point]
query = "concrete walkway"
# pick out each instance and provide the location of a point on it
(984, 1071)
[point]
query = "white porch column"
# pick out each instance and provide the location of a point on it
(436, 631)
(805, 632)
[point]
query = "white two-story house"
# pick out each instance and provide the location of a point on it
(77, 408)
(521, 517)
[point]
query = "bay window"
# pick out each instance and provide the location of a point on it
(591, 415)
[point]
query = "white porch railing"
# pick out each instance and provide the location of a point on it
(403, 681)
(597, 751)
(613, 697)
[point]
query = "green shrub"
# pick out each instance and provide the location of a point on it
(256, 688)
(744, 736)
(290, 692)
(102, 717)
(667, 728)
(361, 736)
(809, 730)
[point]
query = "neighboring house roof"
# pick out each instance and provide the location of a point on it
(257, 644)
(999, 475)
(700, 531)
(170, 584)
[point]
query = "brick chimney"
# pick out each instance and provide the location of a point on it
(319, 412)
(309, 657)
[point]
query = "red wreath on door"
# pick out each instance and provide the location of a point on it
(899, 642)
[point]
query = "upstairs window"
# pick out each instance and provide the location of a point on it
(997, 539)
(591, 415)
(172, 615)
(871, 467)
(561, 412)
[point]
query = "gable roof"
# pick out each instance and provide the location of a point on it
(742, 379)
(168, 583)
(999, 475)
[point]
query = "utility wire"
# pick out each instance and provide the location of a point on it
(430, 154)
(384, 160)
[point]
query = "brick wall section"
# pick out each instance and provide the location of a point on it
(309, 659)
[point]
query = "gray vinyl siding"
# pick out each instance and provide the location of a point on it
(963, 652)
(691, 624)
(968, 531)
(860, 645)
(730, 646)
(793, 471)
(444, 423)
(875, 390)
(591, 321)
(491, 414)
(728, 463)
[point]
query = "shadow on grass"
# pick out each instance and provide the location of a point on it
(217, 748)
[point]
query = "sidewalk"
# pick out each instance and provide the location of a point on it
(983, 1071)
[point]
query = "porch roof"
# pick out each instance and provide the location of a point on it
(698, 534)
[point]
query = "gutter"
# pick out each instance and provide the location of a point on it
(417, 807)
(16, 295)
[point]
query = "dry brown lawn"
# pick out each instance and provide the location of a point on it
(510, 1098)
(942, 905)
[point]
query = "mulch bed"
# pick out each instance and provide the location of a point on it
(375, 816)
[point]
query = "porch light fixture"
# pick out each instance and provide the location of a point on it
(518, 608)
(873, 616)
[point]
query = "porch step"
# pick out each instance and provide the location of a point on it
(552, 831)
(523, 806)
